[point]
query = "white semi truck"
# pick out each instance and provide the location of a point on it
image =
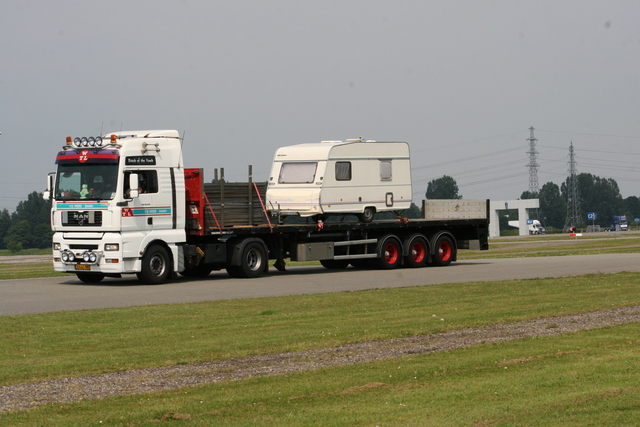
(124, 203)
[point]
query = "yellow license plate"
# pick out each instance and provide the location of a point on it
(83, 267)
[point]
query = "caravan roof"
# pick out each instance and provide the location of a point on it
(343, 149)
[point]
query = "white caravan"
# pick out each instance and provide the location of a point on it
(335, 177)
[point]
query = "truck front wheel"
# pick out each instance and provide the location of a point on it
(90, 277)
(155, 265)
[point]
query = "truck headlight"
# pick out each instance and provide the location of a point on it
(111, 247)
(68, 256)
(56, 246)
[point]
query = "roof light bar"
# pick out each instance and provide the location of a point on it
(86, 141)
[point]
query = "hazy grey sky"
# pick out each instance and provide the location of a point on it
(461, 81)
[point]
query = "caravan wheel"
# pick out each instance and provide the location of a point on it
(367, 214)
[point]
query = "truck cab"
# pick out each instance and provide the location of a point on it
(116, 205)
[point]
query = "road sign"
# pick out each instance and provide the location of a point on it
(529, 222)
(591, 216)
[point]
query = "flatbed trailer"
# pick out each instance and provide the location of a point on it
(243, 249)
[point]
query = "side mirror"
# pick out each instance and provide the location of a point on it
(46, 195)
(133, 185)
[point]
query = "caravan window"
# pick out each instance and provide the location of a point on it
(343, 171)
(297, 173)
(385, 170)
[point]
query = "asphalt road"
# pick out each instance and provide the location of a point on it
(26, 296)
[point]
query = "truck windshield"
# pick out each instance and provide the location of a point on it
(86, 181)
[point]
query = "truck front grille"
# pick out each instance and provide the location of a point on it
(82, 218)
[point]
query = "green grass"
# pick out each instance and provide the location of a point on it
(41, 346)
(6, 252)
(583, 379)
(587, 378)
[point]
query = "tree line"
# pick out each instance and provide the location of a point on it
(595, 195)
(29, 226)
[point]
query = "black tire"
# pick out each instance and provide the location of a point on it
(90, 277)
(156, 265)
(367, 214)
(390, 253)
(253, 262)
(335, 264)
(417, 252)
(234, 271)
(200, 270)
(445, 251)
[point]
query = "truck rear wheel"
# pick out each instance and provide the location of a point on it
(390, 253)
(417, 252)
(252, 262)
(155, 265)
(90, 277)
(445, 251)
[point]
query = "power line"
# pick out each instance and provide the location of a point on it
(464, 159)
(589, 134)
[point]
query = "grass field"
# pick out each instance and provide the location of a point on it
(586, 378)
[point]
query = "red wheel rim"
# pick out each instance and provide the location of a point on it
(391, 253)
(444, 250)
(418, 252)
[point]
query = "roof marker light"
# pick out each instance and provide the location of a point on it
(113, 139)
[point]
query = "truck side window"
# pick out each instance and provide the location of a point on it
(147, 180)
(385, 170)
(343, 171)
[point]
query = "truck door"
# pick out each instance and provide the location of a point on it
(152, 209)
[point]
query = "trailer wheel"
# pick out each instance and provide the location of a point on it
(390, 253)
(362, 264)
(335, 264)
(90, 277)
(252, 262)
(367, 214)
(155, 265)
(445, 251)
(417, 248)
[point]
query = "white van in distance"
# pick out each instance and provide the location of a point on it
(358, 177)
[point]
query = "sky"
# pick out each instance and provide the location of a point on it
(461, 81)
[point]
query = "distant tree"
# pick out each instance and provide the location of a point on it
(443, 188)
(5, 223)
(553, 206)
(20, 232)
(529, 195)
(632, 207)
(599, 195)
(632, 204)
(35, 209)
(14, 246)
(36, 213)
